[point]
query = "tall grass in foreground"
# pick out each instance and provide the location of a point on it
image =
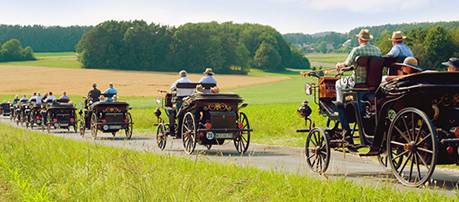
(45, 168)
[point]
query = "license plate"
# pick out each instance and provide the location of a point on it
(224, 135)
(63, 125)
(114, 127)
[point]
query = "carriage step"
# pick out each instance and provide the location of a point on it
(370, 153)
(303, 131)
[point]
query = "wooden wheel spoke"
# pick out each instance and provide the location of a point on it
(397, 143)
(401, 133)
(423, 139)
(406, 128)
(425, 150)
(422, 160)
(411, 168)
(420, 131)
(404, 164)
(400, 155)
(417, 167)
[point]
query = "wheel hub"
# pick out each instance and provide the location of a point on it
(411, 146)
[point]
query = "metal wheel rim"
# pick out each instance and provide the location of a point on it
(189, 133)
(161, 138)
(94, 126)
(129, 127)
(317, 151)
(413, 135)
(242, 140)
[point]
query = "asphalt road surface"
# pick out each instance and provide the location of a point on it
(362, 170)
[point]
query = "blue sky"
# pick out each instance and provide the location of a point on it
(308, 16)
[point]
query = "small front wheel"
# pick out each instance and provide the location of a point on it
(317, 151)
(242, 138)
(129, 127)
(94, 126)
(161, 137)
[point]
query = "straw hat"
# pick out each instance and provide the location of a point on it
(452, 62)
(209, 71)
(397, 36)
(411, 62)
(365, 35)
(183, 73)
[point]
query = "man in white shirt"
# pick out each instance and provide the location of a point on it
(50, 98)
(183, 79)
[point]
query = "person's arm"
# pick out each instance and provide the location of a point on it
(394, 52)
(350, 58)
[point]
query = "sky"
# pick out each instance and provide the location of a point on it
(287, 16)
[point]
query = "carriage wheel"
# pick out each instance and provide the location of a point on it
(129, 128)
(242, 139)
(189, 132)
(82, 126)
(161, 137)
(94, 125)
(412, 147)
(317, 151)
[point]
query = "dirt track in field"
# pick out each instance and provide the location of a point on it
(28, 79)
(366, 171)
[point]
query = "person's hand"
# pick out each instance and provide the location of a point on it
(340, 66)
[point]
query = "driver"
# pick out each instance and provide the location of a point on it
(110, 92)
(15, 100)
(358, 76)
(452, 64)
(94, 94)
(183, 79)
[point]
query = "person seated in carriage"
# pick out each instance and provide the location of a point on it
(183, 79)
(452, 64)
(23, 99)
(110, 93)
(15, 100)
(409, 66)
(208, 78)
(94, 94)
(358, 76)
(64, 98)
(399, 49)
(50, 99)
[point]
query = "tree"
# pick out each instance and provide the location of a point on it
(438, 45)
(12, 50)
(267, 58)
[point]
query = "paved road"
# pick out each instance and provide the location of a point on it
(283, 159)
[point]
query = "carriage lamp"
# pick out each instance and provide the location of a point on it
(158, 113)
(240, 125)
(455, 131)
(450, 149)
(304, 110)
(208, 125)
(105, 127)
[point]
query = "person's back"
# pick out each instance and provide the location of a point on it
(94, 94)
(110, 93)
(399, 48)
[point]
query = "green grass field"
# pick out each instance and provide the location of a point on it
(325, 60)
(37, 167)
(55, 60)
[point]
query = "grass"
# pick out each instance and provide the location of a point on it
(55, 60)
(38, 167)
(326, 60)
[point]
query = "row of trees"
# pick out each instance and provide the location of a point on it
(12, 50)
(44, 38)
(226, 47)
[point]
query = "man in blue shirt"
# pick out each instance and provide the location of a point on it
(399, 49)
(208, 77)
(110, 92)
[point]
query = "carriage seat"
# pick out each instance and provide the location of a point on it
(374, 68)
(187, 89)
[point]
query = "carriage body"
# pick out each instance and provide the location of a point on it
(61, 115)
(411, 123)
(212, 119)
(107, 117)
(5, 109)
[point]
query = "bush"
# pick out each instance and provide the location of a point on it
(12, 50)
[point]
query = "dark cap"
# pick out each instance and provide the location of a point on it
(452, 62)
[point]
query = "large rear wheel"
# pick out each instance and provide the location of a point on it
(412, 147)
(129, 127)
(317, 151)
(242, 139)
(189, 131)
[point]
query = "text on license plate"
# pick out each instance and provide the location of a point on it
(115, 127)
(224, 135)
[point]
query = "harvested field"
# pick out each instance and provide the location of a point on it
(28, 79)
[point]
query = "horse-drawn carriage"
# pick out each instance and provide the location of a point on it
(204, 118)
(60, 115)
(108, 117)
(412, 120)
(5, 109)
(35, 115)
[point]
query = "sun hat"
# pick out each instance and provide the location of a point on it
(411, 62)
(183, 73)
(397, 36)
(365, 35)
(209, 71)
(454, 62)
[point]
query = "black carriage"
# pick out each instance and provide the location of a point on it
(108, 117)
(5, 109)
(35, 116)
(206, 119)
(58, 115)
(410, 123)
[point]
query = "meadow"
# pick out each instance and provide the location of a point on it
(38, 167)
